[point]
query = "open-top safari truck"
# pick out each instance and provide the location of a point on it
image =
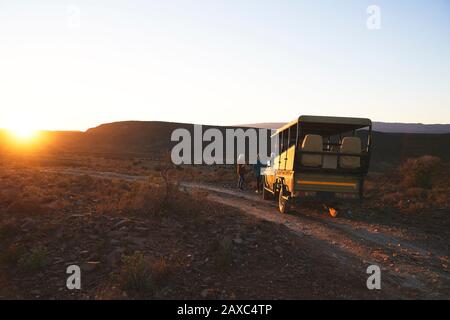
(320, 156)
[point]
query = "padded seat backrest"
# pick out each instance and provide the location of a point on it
(350, 145)
(313, 143)
(330, 161)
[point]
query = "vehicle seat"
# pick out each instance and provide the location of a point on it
(313, 143)
(330, 161)
(350, 145)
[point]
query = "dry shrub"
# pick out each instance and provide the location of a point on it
(8, 230)
(439, 197)
(63, 184)
(11, 255)
(414, 206)
(32, 191)
(199, 194)
(146, 199)
(25, 207)
(418, 193)
(421, 172)
(390, 197)
(420, 184)
(223, 251)
(140, 275)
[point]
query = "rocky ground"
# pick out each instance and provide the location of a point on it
(129, 246)
(135, 237)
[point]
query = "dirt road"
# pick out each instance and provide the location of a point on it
(411, 268)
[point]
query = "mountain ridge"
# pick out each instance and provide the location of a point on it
(153, 139)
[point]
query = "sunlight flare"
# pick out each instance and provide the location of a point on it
(22, 132)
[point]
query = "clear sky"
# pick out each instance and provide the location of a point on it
(75, 64)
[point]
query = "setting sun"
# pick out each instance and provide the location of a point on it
(22, 132)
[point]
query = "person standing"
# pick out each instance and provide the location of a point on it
(257, 172)
(241, 175)
(241, 170)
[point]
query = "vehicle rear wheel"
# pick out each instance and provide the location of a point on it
(283, 201)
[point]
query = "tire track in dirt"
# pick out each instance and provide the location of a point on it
(405, 265)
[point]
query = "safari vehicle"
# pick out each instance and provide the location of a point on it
(319, 156)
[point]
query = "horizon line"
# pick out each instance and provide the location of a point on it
(209, 124)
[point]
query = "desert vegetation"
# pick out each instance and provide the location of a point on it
(133, 242)
(419, 184)
(150, 238)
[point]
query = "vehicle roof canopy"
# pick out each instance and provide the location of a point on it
(327, 125)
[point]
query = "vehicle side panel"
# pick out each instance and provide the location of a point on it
(288, 179)
(290, 154)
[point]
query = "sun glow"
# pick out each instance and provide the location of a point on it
(22, 132)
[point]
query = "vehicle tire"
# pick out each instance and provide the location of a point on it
(283, 202)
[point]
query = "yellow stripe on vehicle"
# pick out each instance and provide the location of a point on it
(326, 183)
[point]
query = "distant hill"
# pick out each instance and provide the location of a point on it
(147, 138)
(411, 127)
(154, 136)
(396, 147)
(389, 127)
